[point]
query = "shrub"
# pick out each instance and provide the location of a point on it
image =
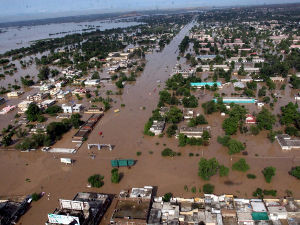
(186, 188)
(168, 152)
(138, 153)
(171, 130)
(115, 176)
(223, 171)
(241, 165)
(254, 130)
(167, 197)
(258, 193)
(295, 171)
(251, 176)
(268, 173)
(193, 189)
(207, 168)
(96, 180)
(208, 188)
(35, 197)
(235, 146)
(223, 140)
(270, 192)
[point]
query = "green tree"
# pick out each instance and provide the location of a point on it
(168, 152)
(190, 102)
(241, 165)
(171, 130)
(235, 146)
(208, 188)
(167, 197)
(224, 140)
(115, 176)
(75, 120)
(254, 130)
(230, 125)
(262, 91)
(96, 180)
(207, 168)
(289, 114)
(265, 119)
(44, 73)
(295, 171)
(56, 129)
(223, 171)
(197, 121)
(33, 112)
(209, 107)
(174, 115)
(268, 173)
(96, 75)
(52, 110)
(182, 140)
(35, 197)
(7, 140)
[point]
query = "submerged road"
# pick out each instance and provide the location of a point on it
(124, 128)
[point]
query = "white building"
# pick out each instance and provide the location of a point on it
(93, 82)
(23, 106)
(76, 108)
(157, 127)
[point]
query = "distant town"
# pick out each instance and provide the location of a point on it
(183, 117)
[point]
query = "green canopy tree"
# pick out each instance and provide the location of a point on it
(33, 112)
(207, 168)
(265, 119)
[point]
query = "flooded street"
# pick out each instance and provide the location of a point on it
(24, 173)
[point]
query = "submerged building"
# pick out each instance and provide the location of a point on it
(237, 100)
(133, 206)
(85, 209)
(287, 143)
(12, 209)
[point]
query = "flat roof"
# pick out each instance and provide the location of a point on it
(205, 83)
(132, 209)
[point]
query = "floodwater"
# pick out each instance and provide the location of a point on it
(124, 130)
(17, 37)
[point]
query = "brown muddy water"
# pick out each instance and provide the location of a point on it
(124, 131)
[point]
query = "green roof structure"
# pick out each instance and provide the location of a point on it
(260, 216)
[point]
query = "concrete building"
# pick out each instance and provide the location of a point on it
(133, 206)
(45, 104)
(85, 209)
(286, 143)
(157, 127)
(63, 94)
(188, 114)
(14, 94)
(23, 106)
(195, 132)
(37, 97)
(12, 209)
(250, 119)
(76, 108)
(93, 82)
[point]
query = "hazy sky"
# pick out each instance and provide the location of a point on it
(23, 7)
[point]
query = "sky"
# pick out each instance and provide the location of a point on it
(11, 9)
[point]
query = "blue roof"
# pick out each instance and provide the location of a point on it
(206, 56)
(237, 100)
(205, 83)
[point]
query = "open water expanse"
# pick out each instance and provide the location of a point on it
(17, 37)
